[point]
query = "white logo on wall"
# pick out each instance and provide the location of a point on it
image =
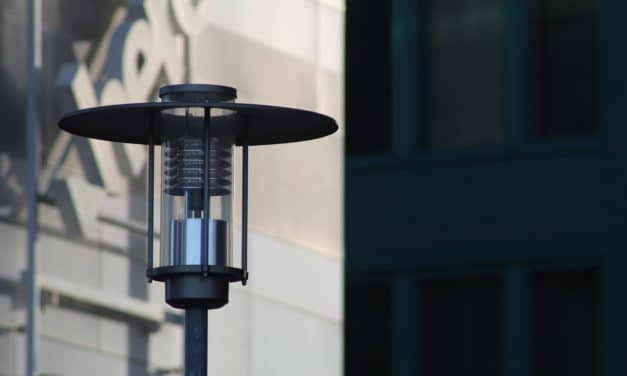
(146, 44)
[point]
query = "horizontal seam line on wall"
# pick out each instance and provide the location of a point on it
(289, 306)
(95, 349)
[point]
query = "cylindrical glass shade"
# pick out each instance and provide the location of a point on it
(183, 180)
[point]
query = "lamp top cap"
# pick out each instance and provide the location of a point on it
(144, 123)
(197, 93)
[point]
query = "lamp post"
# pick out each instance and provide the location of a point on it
(198, 128)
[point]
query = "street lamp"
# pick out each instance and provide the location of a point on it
(198, 128)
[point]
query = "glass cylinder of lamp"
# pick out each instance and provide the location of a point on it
(184, 178)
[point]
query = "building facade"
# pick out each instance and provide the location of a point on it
(485, 188)
(96, 313)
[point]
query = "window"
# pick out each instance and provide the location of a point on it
(565, 323)
(367, 330)
(461, 84)
(461, 44)
(367, 77)
(461, 326)
(563, 68)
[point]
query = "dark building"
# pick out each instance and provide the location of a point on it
(486, 187)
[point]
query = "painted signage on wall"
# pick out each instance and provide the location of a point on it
(146, 46)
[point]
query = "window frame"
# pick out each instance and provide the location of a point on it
(405, 83)
(405, 304)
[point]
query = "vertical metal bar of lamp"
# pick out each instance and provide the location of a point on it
(245, 204)
(206, 198)
(150, 216)
(32, 146)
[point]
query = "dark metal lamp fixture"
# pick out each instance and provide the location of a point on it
(198, 128)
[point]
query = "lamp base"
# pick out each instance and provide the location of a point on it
(197, 291)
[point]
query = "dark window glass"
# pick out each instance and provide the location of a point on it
(565, 323)
(563, 68)
(461, 73)
(367, 77)
(461, 327)
(367, 330)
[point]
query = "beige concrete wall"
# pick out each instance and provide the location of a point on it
(99, 316)
(296, 189)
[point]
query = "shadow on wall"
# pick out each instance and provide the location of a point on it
(12, 101)
(74, 34)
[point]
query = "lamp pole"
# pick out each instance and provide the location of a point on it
(32, 150)
(196, 341)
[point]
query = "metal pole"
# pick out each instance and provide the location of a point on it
(196, 342)
(32, 146)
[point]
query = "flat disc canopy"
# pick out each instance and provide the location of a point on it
(258, 124)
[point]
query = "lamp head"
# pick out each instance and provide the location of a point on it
(198, 128)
